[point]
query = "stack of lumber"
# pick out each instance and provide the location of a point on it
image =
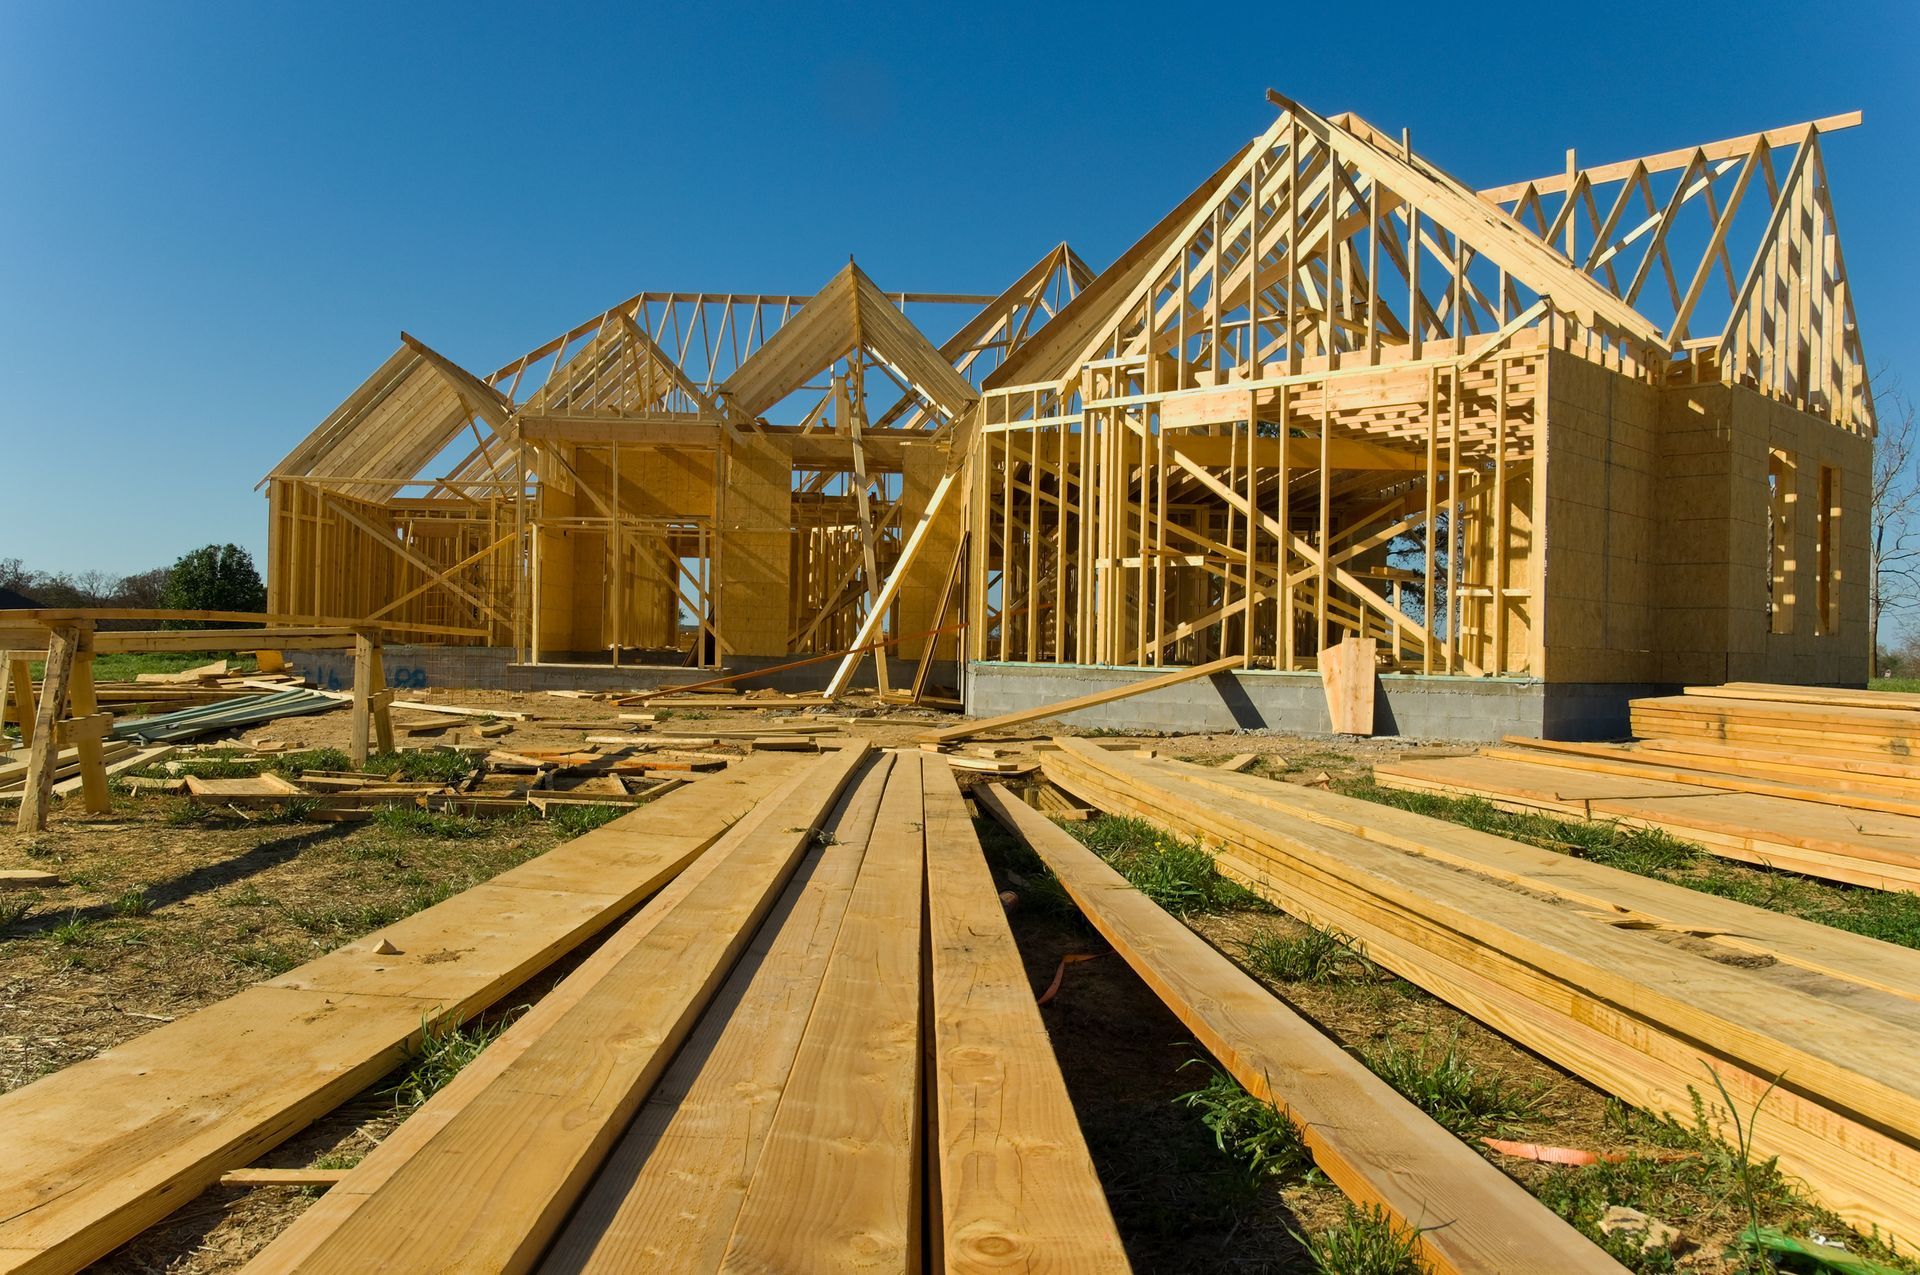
(1650, 991)
(814, 1049)
(1841, 816)
(120, 756)
(1804, 719)
(102, 1149)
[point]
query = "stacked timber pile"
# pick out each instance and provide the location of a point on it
(1657, 994)
(1834, 795)
(1814, 720)
(813, 1049)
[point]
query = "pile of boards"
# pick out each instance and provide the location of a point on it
(1654, 993)
(813, 1049)
(1821, 782)
(500, 782)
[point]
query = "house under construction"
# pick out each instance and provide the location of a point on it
(1552, 445)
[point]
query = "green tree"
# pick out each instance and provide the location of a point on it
(215, 578)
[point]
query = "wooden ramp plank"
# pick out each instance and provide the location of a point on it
(967, 730)
(1375, 1145)
(492, 1182)
(837, 1185)
(1018, 1190)
(668, 1197)
(100, 1150)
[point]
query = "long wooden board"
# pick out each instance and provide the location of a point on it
(837, 1186)
(670, 1192)
(967, 730)
(1586, 990)
(1018, 1189)
(1610, 894)
(100, 1150)
(1864, 848)
(493, 1181)
(1376, 1146)
(1634, 763)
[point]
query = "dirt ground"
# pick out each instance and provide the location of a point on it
(166, 908)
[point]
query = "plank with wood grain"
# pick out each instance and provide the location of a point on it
(1018, 1188)
(1373, 1144)
(493, 1178)
(668, 1196)
(1642, 1009)
(837, 1186)
(104, 1148)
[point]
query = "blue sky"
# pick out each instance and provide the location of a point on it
(217, 217)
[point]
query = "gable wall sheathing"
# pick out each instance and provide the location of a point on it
(1658, 554)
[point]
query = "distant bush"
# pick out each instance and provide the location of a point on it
(214, 578)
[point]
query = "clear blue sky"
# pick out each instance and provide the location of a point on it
(216, 218)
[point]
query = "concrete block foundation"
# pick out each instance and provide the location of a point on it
(1407, 705)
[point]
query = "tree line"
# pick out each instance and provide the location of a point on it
(210, 578)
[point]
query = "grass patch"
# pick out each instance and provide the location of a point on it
(75, 931)
(184, 811)
(268, 959)
(416, 821)
(133, 903)
(423, 765)
(1365, 1241)
(298, 763)
(1908, 684)
(125, 666)
(1257, 1134)
(572, 820)
(443, 1050)
(1717, 1187)
(1314, 955)
(1892, 916)
(14, 910)
(207, 768)
(1176, 873)
(1437, 1078)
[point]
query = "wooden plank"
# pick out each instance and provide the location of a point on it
(837, 1185)
(1018, 1188)
(968, 729)
(61, 650)
(104, 1148)
(1347, 675)
(1608, 994)
(282, 1177)
(670, 1192)
(1373, 1144)
(494, 1179)
(1867, 848)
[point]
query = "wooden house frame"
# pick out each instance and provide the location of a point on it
(1607, 426)
(622, 488)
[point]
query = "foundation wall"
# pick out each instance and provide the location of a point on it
(1411, 706)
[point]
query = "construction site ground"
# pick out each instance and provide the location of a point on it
(168, 905)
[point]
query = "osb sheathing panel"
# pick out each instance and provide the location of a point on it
(1602, 523)
(920, 593)
(1657, 559)
(552, 545)
(756, 551)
